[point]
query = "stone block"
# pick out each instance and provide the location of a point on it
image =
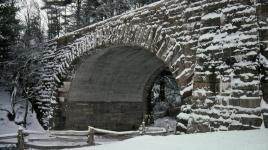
(262, 1)
(264, 88)
(251, 121)
(212, 22)
(245, 2)
(250, 102)
(240, 127)
(214, 5)
(199, 85)
(67, 85)
(181, 127)
(215, 124)
(234, 102)
(263, 34)
(198, 127)
(265, 120)
(199, 78)
(262, 10)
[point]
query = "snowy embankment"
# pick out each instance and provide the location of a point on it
(230, 140)
(7, 126)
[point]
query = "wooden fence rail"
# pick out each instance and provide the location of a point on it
(103, 131)
(35, 146)
(8, 136)
(80, 138)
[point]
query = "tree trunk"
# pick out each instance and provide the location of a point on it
(78, 14)
(26, 112)
(13, 95)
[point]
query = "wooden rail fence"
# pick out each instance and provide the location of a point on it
(25, 139)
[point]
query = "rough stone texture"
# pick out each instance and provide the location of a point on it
(262, 14)
(220, 118)
(216, 49)
(106, 115)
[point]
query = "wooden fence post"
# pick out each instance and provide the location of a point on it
(20, 138)
(143, 127)
(167, 127)
(90, 137)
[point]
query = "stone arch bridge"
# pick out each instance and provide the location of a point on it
(215, 49)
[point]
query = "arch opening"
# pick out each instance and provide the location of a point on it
(114, 89)
(164, 101)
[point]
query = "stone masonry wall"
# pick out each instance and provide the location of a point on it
(99, 113)
(216, 50)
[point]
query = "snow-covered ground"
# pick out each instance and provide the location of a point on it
(228, 140)
(231, 140)
(7, 126)
(164, 122)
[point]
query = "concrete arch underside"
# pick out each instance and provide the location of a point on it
(110, 88)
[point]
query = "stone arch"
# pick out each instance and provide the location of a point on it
(60, 53)
(108, 88)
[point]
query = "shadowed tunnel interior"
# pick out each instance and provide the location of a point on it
(110, 89)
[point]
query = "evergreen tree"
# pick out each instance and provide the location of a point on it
(9, 28)
(33, 32)
(54, 26)
(55, 9)
(89, 12)
(69, 15)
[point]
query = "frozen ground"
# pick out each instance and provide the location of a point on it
(230, 140)
(7, 126)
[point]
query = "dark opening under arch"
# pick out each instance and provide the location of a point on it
(110, 89)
